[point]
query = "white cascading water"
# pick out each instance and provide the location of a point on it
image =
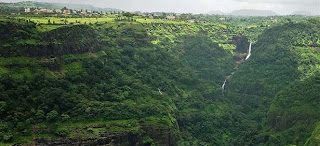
(248, 56)
(249, 52)
(224, 84)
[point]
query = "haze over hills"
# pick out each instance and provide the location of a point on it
(305, 13)
(32, 4)
(281, 7)
(252, 12)
(217, 12)
(89, 7)
(246, 12)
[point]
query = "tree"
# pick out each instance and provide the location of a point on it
(40, 115)
(52, 116)
(64, 8)
(3, 106)
(62, 132)
(128, 14)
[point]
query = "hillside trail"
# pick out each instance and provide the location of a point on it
(236, 68)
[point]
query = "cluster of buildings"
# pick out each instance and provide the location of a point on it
(53, 11)
(170, 17)
(157, 15)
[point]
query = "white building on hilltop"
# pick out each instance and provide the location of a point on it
(27, 10)
(171, 17)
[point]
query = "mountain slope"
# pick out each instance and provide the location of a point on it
(133, 84)
(304, 13)
(283, 58)
(149, 82)
(295, 110)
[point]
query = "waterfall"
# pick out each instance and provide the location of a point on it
(159, 89)
(249, 52)
(227, 77)
(224, 84)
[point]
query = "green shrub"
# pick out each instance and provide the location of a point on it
(52, 116)
(147, 141)
(62, 132)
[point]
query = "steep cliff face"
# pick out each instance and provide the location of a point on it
(21, 39)
(278, 86)
(106, 139)
(242, 43)
(295, 110)
(145, 136)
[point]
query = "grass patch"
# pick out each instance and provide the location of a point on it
(75, 57)
(161, 122)
(18, 61)
(74, 67)
(44, 28)
(20, 73)
(3, 70)
(148, 20)
(123, 125)
(5, 144)
(59, 20)
(101, 54)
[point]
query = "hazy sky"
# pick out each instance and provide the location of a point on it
(200, 6)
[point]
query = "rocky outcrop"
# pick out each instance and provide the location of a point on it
(65, 40)
(162, 136)
(159, 136)
(242, 43)
(110, 139)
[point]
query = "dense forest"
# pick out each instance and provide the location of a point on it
(137, 81)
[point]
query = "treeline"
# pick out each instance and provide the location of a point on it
(9, 10)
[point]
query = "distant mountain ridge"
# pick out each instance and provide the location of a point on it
(218, 12)
(245, 12)
(32, 4)
(252, 12)
(304, 13)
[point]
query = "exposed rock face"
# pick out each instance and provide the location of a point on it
(160, 137)
(112, 139)
(163, 137)
(45, 50)
(242, 43)
(65, 40)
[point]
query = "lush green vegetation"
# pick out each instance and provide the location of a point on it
(278, 86)
(77, 78)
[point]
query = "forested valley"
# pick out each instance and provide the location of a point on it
(127, 79)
